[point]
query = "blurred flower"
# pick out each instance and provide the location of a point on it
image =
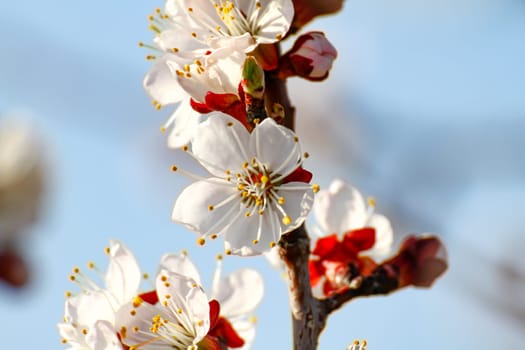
(257, 191)
(21, 177)
(310, 58)
(21, 189)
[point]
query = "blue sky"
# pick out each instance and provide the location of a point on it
(424, 110)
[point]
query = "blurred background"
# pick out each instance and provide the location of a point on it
(424, 109)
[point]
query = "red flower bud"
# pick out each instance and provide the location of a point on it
(420, 261)
(311, 58)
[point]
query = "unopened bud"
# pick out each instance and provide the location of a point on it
(311, 57)
(252, 78)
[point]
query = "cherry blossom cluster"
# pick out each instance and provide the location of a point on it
(177, 313)
(219, 63)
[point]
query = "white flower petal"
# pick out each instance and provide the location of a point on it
(186, 120)
(240, 235)
(182, 292)
(87, 308)
(180, 264)
(239, 293)
(138, 318)
(192, 208)
(161, 81)
(276, 146)
(340, 208)
(221, 144)
(384, 236)
(103, 336)
(297, 204)
(123, 275)
(275, 21)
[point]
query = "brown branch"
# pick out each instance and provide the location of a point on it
(380, 282)
(308, 314)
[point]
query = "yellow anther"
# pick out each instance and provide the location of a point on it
(295, 139)
(200, 323)
(72, 278)
(186, 67)
(123, 331)
(264, 179)
(253, 319)
(193, 34)
(245, 165)
(63, 341)
(137, 301)
(91, 265)
(201, 241)
(213, 236)
(240, 187)
(228, 252)
(190, 9)
(219, 257)
(272, 244)
(229, 124)
(247, 214)
(256, 121)
(158, 106)
(145, 276)
(84, 331)
(306, 154)
(315, 188)
(133, 312)
(185, 148)
(281, 200)
(141, 44)
(167, 296)
(278, 37)
(76, 270)
(287, 220)
(68, 294)
(372, 202)
(173, 168)
(162, 129)
(211, 207)
(184, 252)
(157, 10)
(255, 241)
(163, 278)
(175, 50)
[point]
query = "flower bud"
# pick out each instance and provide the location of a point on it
(252, 78)
(311, 58)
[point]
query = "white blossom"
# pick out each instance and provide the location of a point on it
(342, 208)
(247, 198)
(180, 320)
(90, 315)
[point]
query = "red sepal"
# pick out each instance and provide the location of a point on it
(360, 239)
(221, 329)
(299, 175)
(227, 103)
(200, 107)
(150, 297)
